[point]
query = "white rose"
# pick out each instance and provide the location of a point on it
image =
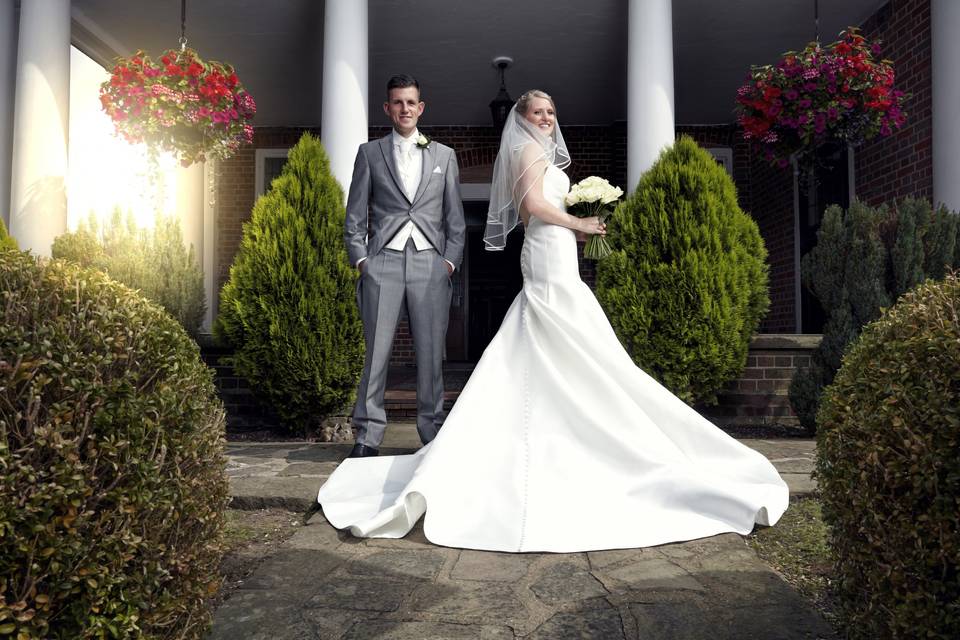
(612, 194)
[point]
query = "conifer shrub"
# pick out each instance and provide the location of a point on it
(156, 262)
(289, 307)
(6, 241)
(112, 480)
(888, 471)
(686, 285)
(864, 259)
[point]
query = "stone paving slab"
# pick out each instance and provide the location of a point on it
(326, 584)
(288, 475)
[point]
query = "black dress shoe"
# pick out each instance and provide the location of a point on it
(363, 451)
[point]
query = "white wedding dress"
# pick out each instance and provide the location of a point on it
(558, 442)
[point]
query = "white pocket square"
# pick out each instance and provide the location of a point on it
(437, 170)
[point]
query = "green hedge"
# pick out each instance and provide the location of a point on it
(686, 286)
(112, 482)
(889, 472)
(156, 262)
(289, 310)
(866, 258)
(6, 241)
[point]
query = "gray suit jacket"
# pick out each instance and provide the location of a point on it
(377, 201)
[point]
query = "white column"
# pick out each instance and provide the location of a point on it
(38, 202)
(944, 25)
(190, 196)
(343, 124)
(650, 125)
(8, 58)
(209, 263)
(190, 211)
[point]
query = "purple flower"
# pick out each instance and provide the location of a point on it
(805, 103)
(791, 94)
(819, 123)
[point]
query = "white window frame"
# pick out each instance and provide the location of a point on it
(259, 175)
(724, 155)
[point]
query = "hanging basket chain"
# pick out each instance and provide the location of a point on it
(183, 25)
(816, 19)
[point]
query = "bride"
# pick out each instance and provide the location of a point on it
(558, 442)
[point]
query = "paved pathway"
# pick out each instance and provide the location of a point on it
(286, 474)
(324, 583)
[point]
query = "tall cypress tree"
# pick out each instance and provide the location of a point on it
(864, 260)
(686, 285)
(289, 309)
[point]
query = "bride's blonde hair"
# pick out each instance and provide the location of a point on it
(523, 102)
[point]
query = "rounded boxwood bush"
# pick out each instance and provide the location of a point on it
(112, 482)
(686, 285)
(888, 468)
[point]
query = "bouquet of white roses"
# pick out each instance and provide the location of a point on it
(592, 197)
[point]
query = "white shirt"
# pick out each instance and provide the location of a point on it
(410, 168)
(409, 161)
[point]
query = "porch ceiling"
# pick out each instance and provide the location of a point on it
(575, 50)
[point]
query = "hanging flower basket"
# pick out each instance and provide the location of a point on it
(180, 103)
(837, 93)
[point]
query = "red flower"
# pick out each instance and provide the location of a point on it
(838, 91)
(149, 100)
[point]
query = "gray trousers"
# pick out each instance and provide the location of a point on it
(389, 278)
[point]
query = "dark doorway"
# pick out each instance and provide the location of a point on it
(831, 186)
(492, 280)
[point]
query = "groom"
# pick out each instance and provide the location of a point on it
(405, 233)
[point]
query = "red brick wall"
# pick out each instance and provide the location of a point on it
(772, 208)
(760, 396)
(901, 164)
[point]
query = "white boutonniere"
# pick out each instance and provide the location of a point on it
(423, 141)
